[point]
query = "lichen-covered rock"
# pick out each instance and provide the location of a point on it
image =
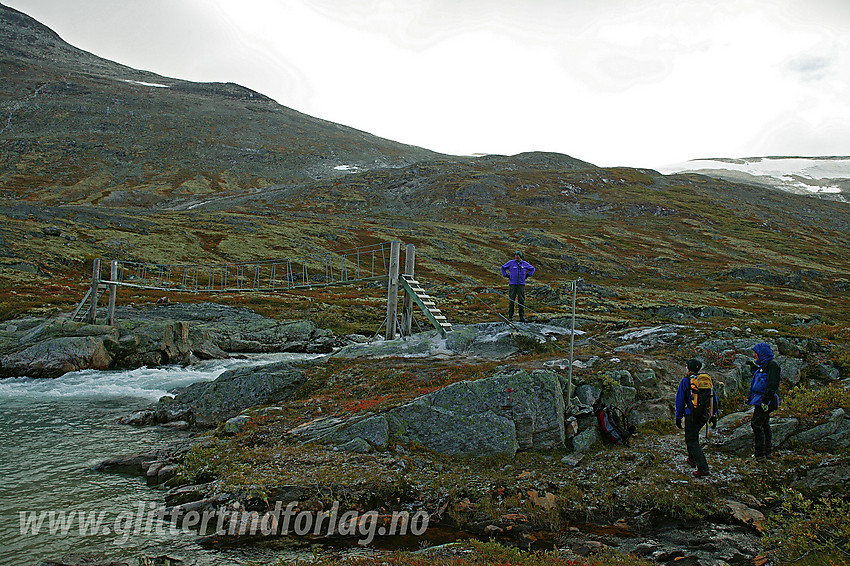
(586, 439)
(819, 432)
(447, 431)
(836, 476)
(841, 437)
(619, 396)
(209, 402)
(657, 410)
(792, 369)
(645, 379)
(587, 394)
(740, 441)
(234, 425)
(509, 411)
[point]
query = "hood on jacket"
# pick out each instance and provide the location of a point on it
(765, 354)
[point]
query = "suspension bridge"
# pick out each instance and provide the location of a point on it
(378, 262)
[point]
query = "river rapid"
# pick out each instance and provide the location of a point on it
(53, 430)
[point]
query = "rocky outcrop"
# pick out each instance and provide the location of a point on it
(736, 435)
(51, 348)
(207, 403)
(510, 411)
(157, 465)
(150, 336)
(212, 328)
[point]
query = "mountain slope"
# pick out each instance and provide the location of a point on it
(825, 177)
(91, 130)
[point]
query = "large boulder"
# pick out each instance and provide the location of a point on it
(841, 437)
(162, 342)
(620, 396)
(510, 411)
(792, 369)
(586, 439)
(210, 402)
(740, 440)
(817, 433)
(658, 410)
(53, 348)
(832, 476)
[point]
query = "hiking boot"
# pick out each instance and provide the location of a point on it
(690, 462)
(700, 474)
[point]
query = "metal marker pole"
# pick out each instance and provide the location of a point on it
(572, 341)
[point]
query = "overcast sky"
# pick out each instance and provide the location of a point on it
(642, 83)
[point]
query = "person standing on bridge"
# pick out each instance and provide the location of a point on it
(516, 271)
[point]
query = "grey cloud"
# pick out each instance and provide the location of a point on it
(810, 68)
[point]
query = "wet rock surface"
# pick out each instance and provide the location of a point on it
(492, 340)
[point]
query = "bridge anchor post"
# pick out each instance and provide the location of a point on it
(95, 283)
(392, 289)
(113, 292)
(407, 304)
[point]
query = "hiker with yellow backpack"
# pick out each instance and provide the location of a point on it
(696, 402)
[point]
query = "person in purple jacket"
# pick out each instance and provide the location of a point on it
(516, 271)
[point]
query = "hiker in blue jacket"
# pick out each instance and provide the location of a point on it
(694, 420)
(516, 271)
(763, 397)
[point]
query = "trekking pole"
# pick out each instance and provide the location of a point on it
(710, 414)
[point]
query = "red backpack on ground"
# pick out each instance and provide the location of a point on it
(613, 424)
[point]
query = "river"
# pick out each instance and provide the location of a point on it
(53, 430)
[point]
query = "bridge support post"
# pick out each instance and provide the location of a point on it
(407, 304)
(113, 292)
(392, 289)
(95, 283)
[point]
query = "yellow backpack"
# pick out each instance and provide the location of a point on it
(702, 394)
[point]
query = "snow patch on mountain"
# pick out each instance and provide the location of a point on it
(826, 177)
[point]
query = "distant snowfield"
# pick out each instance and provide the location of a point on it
(805, 175)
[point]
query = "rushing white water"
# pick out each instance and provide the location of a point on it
(53, 430)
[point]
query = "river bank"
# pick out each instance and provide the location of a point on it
(408, 427)
(55, 430)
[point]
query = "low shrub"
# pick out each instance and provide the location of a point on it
(817, 531)
(803, 402)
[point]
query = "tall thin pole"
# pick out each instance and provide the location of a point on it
(95, 283)
(392, 289)
(407, 303)
(113, 292)
(572, 341)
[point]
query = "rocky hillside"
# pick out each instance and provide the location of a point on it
(100, 160)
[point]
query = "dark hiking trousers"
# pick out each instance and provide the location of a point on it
(693, 425)
(761, 432)
(516, 294)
